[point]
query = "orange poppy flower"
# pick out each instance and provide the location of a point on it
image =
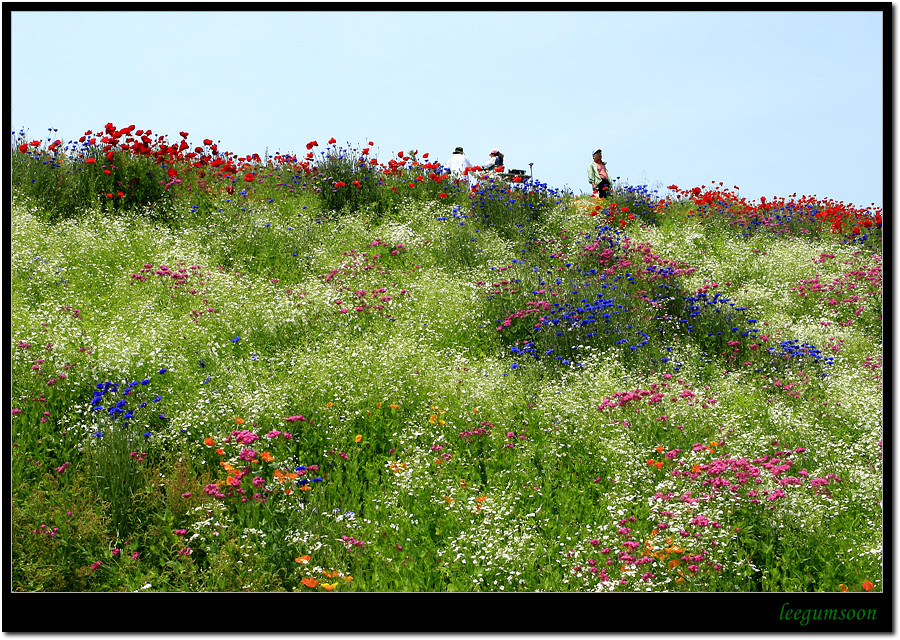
(844, 588)
(312, 583)
(674, 563)
(378, 405)
(868, 586)
(220, 452)
(238, 420)
(480, 498)
(358, 438)
(695, 468)
(209, 442)
(660, 449)
(394, 406)
(231, 481)
(330, 587)
(268, 457)
(305, 487)
(302, 559)
(329, 405)
(659, 465)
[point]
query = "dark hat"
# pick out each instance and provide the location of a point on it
(458, 150)
(596, 152)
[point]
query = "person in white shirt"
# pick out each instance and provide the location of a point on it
(495, 162)
(458, 163)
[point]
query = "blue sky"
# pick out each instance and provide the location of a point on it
(776, 102)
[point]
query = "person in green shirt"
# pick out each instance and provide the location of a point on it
(598, 177)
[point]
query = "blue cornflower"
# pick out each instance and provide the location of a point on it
(163, 370)
(236, 339)
(99, 434)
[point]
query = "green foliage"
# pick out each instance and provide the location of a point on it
(340, 411)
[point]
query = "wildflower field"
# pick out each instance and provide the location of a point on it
(346, 370)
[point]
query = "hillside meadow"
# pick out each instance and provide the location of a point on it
(333, 372)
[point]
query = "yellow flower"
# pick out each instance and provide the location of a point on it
(330, 587)
(358, 438)
(329, 404)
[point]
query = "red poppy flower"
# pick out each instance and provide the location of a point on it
(425, 155)
(868, 586)
(207, 141)
(310, 145)
(356, 183)
(172, 173)
(35, 143)
(332, 141)
(109, 155)
(442, 195)
(109, 195)
(90, 161)
(340, 184)
(120, 195)
(23, 147)
(249, 177)
(183, 134)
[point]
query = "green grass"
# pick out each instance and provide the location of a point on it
(442, 454)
